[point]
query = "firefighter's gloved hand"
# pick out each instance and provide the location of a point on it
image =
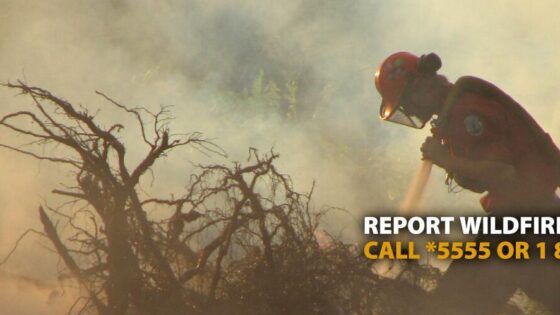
(433, 150)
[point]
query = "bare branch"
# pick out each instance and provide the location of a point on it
(62, 251)
(39, 157)
(21, 237)
(134, 112)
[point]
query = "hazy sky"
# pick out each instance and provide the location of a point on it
(195, 54)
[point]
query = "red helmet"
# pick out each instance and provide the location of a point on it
(391, 79)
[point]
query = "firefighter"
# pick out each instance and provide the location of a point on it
(487, 143)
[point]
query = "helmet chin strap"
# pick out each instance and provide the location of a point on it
(417, 118)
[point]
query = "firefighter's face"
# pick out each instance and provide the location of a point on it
(425, 96)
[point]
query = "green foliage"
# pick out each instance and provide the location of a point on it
(267, 96)
(273, 94)
(291, 98)
(257, 89)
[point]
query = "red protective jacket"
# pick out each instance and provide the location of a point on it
(480, 122)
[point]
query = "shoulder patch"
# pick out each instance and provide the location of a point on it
(473, 125)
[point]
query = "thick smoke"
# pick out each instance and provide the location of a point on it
(214, 61)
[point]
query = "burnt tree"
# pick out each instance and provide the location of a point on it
(239, 240)
(118, 250)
